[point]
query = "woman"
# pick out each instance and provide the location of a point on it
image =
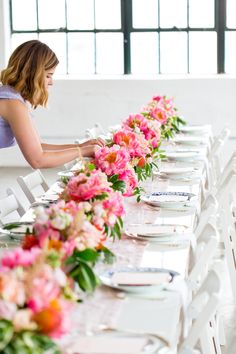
(25, 84)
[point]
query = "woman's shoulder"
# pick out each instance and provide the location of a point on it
(8, 92)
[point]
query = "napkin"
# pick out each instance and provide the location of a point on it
(140, 278)
(154, 229)
(169, 198)
(106, 345)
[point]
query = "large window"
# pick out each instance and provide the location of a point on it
(131, 36)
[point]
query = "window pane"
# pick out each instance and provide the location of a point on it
(200, 18)
(57, 42)
(173, 13)
(108, 14)
(145, 14)
(141, 44)
(51, 14)
(19, 38)
(230, 52)
(24, 20)
(81, 53)
(109, 53)
(173, 52)
(203, 52)
(230, 14)
(80, 14)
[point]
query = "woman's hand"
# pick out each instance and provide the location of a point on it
(99, 142)
(89, 150)
(89, 147)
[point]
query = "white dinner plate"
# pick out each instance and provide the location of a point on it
(196, 129)
(178, 170)
(169, 199)
(115, 342)
(190, 140)
(183, 155)
(155, 230)
(138, 279)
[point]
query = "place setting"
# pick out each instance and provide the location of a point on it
(16, 230)
(170, 200)
(183, 173)
(109, 341)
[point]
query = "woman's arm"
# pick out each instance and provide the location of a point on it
(16, 113)
(49, 147)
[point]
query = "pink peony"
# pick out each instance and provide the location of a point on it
(20, 257)
(85, 187)
(113, 208)
(159, 114)
(136, 121)
(135, 144)
(112, 160)
(131, 182)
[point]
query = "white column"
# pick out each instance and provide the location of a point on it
(5, 33)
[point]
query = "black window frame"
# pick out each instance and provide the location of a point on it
(127, 28)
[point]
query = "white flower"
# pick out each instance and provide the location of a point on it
(22, 320)
(61, 221)
(41, 216)
(60, 277)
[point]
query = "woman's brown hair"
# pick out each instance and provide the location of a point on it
(25, 71)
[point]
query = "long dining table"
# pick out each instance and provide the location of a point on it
(154, 313)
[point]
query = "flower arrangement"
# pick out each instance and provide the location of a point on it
(104, 207)
(77, 227)
(115, 161)
(75, 232)
(162, 109)
(35, 302)
(67, 238)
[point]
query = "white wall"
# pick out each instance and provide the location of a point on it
(76, 104)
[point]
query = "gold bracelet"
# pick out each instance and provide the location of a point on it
(79, 153)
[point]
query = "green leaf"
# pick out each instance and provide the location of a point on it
(88, 255)
(85, 277)
(90, 166)
(11, 226)
(6, 333)
(109, 257)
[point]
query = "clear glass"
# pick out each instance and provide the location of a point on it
(203, 52)
(19, 38)
(57, 42)
(173, 47)
(108, 14)
(51, 14)
(22, 19)
(109, 53)
(80, 14)
(145, 14)
(81, 53)
(173, 13)
(201, 13)
(230, 13)
(141, 44)
(230, 52)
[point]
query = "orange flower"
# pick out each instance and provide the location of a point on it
(49, 319)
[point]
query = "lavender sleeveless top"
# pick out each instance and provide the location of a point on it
(6, 135)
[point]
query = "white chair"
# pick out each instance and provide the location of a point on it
(229, 237)
(33, 185)
(10, 204)
(94, 132)
(213, 158)
(200, 312)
